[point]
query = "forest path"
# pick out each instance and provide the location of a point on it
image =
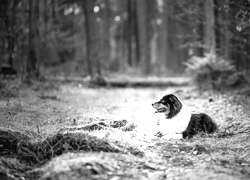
(221, 156)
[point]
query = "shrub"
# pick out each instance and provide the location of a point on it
(212, 71)
(9, 88)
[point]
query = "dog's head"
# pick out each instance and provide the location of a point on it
(170, 105)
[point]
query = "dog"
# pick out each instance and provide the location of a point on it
(178, 118)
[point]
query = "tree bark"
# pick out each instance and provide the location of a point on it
(142, 29)
(130, 32)
(32, 61)
(162, 38)
(210, 43)
(12, 34)
(92, 35)
(87, 32)
(106, 35)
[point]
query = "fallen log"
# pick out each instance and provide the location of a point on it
(142, 82)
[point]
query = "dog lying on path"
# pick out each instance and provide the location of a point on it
(177, 118)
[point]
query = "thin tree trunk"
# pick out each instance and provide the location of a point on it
(130, 32)
(227, 41)
(11, 34)
(162, 38)
(143, 36)
(135, 46)
(4, 8)
(87, 32)
(210, 43)
(106, 35)
(172, 33)
(92, 28)
(45, 15)
(31, 67)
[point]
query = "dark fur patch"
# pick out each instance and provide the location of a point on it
(200, 123)
(173, 102)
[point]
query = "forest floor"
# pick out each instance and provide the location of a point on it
(73, 131)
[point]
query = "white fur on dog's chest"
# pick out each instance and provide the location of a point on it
(176, 124)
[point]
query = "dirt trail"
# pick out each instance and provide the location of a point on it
(43, 112)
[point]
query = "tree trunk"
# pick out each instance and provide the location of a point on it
(143, 36)
(92, 35)
(131, 27)
(162, 39)
(32, 61)
(11, 34)
(172, 30)
(227, 40)
(106, 35)
(210, 43)
(87, 32)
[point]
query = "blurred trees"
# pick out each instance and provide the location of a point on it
(96, 37)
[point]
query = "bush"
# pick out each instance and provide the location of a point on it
(214, 72)
(9, 88)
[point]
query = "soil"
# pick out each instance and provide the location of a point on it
(122, 119)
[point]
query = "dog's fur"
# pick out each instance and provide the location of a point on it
(178, 119)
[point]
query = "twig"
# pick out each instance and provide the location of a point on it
(38, 129)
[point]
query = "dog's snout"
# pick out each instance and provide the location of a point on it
(154, 104)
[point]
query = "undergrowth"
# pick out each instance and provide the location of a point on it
(9, 88)
(214, 72)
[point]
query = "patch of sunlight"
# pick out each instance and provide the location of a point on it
(96, 9)
(160, 4)
(117, 18)
(239, 28)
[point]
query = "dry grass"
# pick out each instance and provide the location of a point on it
(15, 144)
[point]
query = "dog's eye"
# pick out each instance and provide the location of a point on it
(162, 101)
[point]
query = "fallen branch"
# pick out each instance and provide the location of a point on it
(142, 82)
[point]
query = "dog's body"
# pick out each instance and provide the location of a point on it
(178, 118)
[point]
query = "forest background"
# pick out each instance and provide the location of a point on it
(57, 122)
(138, 37)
